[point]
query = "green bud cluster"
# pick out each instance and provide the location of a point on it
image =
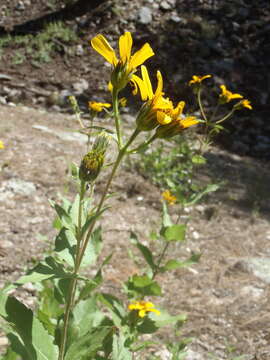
(92, 162)
(147, 118)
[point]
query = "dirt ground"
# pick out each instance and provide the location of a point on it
(227, 305)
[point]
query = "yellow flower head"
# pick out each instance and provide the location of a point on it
(148, 117)
(143, 308)
(126, 64)
(97, 106)
(198, 79)
(243, 104)
(175, 122)
(226, 95)
(167, 196)
(2, 146)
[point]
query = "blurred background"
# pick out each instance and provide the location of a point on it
(45, 54)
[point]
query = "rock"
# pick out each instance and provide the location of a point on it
(192, 355)
(79, 50)
(18, 186)
(80, 86)
(3, 100)
(258, 266)
(251, 291)
(63, 135)
(145, 15)
(164, 5)
(20, 6)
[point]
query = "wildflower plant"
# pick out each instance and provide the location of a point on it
(74, 318)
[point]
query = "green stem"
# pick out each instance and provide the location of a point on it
(200, 105)
(160, 259)
(226, 117)
(73, 283)
(117, 117)
(120, 156)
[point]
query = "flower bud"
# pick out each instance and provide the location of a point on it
(93, 161)
(147, 118)
(120, 77)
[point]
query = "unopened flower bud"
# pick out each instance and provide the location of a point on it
(147, 118)
(93, 161)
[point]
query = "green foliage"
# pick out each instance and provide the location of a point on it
(39, 49)
(168, 166)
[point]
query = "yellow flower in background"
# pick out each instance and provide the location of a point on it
(243, 104)
(97, 106)
(226, 95)
(143, 308)
(2, 146)
(123, 102)
(167, 196)
(126, 64)
(198, 79)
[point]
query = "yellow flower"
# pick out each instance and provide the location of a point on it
(126, 64)
(243, 104)
(177, 122)
(123, 102)
(2, 146)
(143, 308)
(226, 95)
(97, 106)
(198, 79)
(148, 117)
(167, 196)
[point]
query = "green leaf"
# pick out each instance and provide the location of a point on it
(93, 248)
(143, 285)
(145, 251)
(86, 347)
(37, 343)
(65, 246)
(120, 352)
(176, 264)
(64, 217)
(198, 159)
(166, 319)
(90, 286)
(86, 315)
(196, 197)
(166, 219)
(148, 326)
(175, 233)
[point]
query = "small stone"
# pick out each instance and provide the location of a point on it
(79, 50)
(3, 100)
(145, 15)
(6, 244)
(20, 6)
(192, 355)
(164, 5)
(195, 235)
(80, 86)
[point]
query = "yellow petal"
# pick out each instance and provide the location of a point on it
(158, 92)
(125, 45)
(141, 55)
(163, 118)
(142, 313)
(101, 45)
(188, 121)
(138, 83)
(147, 82)
(155, 311)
